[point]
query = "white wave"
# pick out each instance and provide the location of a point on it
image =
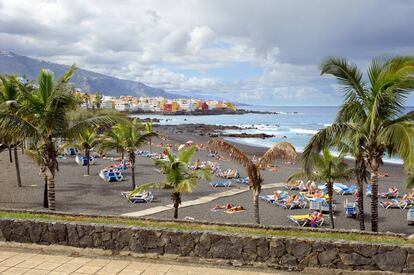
(303, 131)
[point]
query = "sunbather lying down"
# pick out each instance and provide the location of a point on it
(230, 208)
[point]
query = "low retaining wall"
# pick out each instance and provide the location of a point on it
(282, 253)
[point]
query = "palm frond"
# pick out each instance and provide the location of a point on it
(185, 154)
(281, 150)
(348, 75)
(231, 151)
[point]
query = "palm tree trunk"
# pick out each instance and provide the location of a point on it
(360, 202)
(87, 161)
(45, 196)
(132, 160)
(16, 162)
(176, 198)
(150, 145)
(330, 200)
(256, 205)
(374, 196)
(10, 154)
(51, 193)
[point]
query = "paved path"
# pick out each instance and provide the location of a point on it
(205, 199)
(14, 261)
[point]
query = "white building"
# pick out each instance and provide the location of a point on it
(122, 106)
(187, 105)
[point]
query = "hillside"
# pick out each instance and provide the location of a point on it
(11, 63)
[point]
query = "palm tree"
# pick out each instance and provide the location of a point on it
(131, 135)
(149, 129)
(97, 100)
(9, 96)
(178, 176)
(325, 167)
(282, 150)
(42, 117)
(86, 140)
(375, 110)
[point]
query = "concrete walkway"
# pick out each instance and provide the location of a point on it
(201, 200)
(18, 261)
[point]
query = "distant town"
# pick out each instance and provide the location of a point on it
(146, 104)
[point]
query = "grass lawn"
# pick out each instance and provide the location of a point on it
(351, 236)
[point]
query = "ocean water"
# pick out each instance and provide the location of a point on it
(292, 124)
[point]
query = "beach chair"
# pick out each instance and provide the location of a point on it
(388, 195)
(244, 180)
(146, 197)
(111, 175)
(343, 189)
(350, 209)
(224, 183)
(297, 185)
(271, 198)
(369, 190)
(410, 216)
(298, 202)
(83, 161)
(401, 204)
(306, 219)
(71, 151)
(320, 204)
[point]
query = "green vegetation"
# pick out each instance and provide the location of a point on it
(178, 175)
(128, 136)
(371, 119)
(41, 116)
(293, 233)
(326, 168)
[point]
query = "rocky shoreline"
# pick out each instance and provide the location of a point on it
(210, 130)
(204, 112)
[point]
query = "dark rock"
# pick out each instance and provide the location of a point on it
(277, 248)
(354, 259)
(326, 258)
(299, 249)
(392, 260)
(289, 260)
(310, 260)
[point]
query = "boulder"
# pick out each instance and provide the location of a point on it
(354, 259)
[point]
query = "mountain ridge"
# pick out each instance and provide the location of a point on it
(87, 81)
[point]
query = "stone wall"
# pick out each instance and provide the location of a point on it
(282, 253)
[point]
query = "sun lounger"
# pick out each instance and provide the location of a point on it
(303, 220)
(271, 198)
(139, 198)
(244, 180)
(71, 151)
(298, 202)
(410, 216)
(401, 204)
(83, 161)
(388, 195)
(343, 189)
(229, 174)
(146, 154)
(225, 183)
(320, 204)
(111, 175)
(296, 186)
(350, 209)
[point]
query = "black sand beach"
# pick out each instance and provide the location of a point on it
(77, 193)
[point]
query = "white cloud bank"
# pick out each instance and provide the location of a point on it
(250, 51)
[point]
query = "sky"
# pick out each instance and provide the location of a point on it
(263, 52)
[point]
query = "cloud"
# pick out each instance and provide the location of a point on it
(245, 50)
